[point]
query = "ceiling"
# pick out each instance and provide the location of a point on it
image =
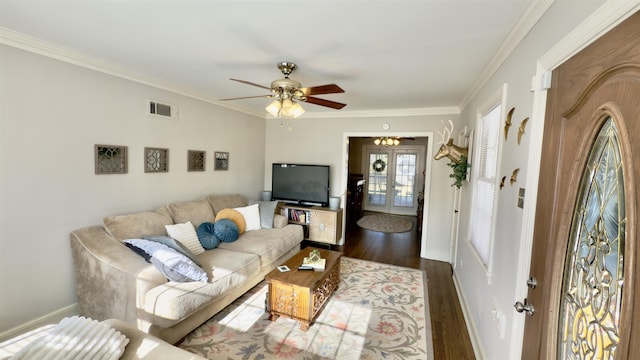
(388, 56)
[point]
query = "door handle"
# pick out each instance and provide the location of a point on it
(526, 307)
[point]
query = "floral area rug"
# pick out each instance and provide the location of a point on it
(385, 223)
(379, 311)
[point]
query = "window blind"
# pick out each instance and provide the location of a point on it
(484, 189)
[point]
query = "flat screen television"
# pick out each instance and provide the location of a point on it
(300, 183)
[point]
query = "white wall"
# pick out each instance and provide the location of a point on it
(322, 141)
(51, 115)
(480, 293)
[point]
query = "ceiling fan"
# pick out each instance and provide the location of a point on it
(288, 92)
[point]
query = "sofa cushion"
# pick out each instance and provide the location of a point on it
(267, 211)
(169, 303)
(251, 215)
(137, 225)
(197, 211)
(207, 236)
(186, 234)
(269, 244)
(175, 245)
(233, 215)
(173, 265)
(220, 202)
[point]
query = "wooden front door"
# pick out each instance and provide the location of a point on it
(586, 304)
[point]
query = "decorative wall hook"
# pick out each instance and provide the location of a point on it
(502, 182)
(507, 123)
(514, 175)
(521, 128)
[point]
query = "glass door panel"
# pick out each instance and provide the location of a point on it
(377, 184)
(391, 181)
(593, 276)
(405, 180)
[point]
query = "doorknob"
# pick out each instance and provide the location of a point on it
(526, 307)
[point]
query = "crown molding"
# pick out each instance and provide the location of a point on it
(445, 110)
(41, 47)
(608, 16)
(532, 14)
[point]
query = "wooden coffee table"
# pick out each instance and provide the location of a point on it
(301, 294)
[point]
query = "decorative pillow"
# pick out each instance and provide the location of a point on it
(139, 251)
(172, 264)
(186, 234)
(267, 210)
(226, 230)
(175, 245)
(234, 216)
(251, 216)
(206, 235)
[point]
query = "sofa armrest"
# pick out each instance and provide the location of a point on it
(279, 221)
(110, 279)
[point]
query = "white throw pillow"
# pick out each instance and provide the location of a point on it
(186, 234)
(251, 216)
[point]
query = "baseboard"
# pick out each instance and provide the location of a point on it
(436, 255)
(51, 318)
(471, 326)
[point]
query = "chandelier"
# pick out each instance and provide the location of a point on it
(387, 141)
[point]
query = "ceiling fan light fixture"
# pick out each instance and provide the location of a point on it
(274, 108)
(285, 109)
(295, 110)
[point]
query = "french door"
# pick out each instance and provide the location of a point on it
(391, 179)
(584, 302)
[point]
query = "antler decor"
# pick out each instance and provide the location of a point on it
(448, 149)
(457, 155)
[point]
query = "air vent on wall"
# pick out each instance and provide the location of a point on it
(162, 109)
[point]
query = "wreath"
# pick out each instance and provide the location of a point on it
(379, 165)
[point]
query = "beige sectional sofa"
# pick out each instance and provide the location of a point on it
(112, 281)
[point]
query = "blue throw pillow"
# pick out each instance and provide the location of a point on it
(226, 230)
(206, 235)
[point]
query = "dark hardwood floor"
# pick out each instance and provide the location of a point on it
(449, 332)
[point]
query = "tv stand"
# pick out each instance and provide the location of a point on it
(320, 224)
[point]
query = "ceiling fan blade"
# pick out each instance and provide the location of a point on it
(323, 102)
(247, 97)
(322, 89)
(252, 84)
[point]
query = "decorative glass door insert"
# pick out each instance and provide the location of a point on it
(593, 277)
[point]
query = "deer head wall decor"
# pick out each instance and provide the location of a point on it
(448, 149)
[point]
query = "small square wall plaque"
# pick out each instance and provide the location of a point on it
(221, 161)
(110, 159)
(156, 160)
(195, 160)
